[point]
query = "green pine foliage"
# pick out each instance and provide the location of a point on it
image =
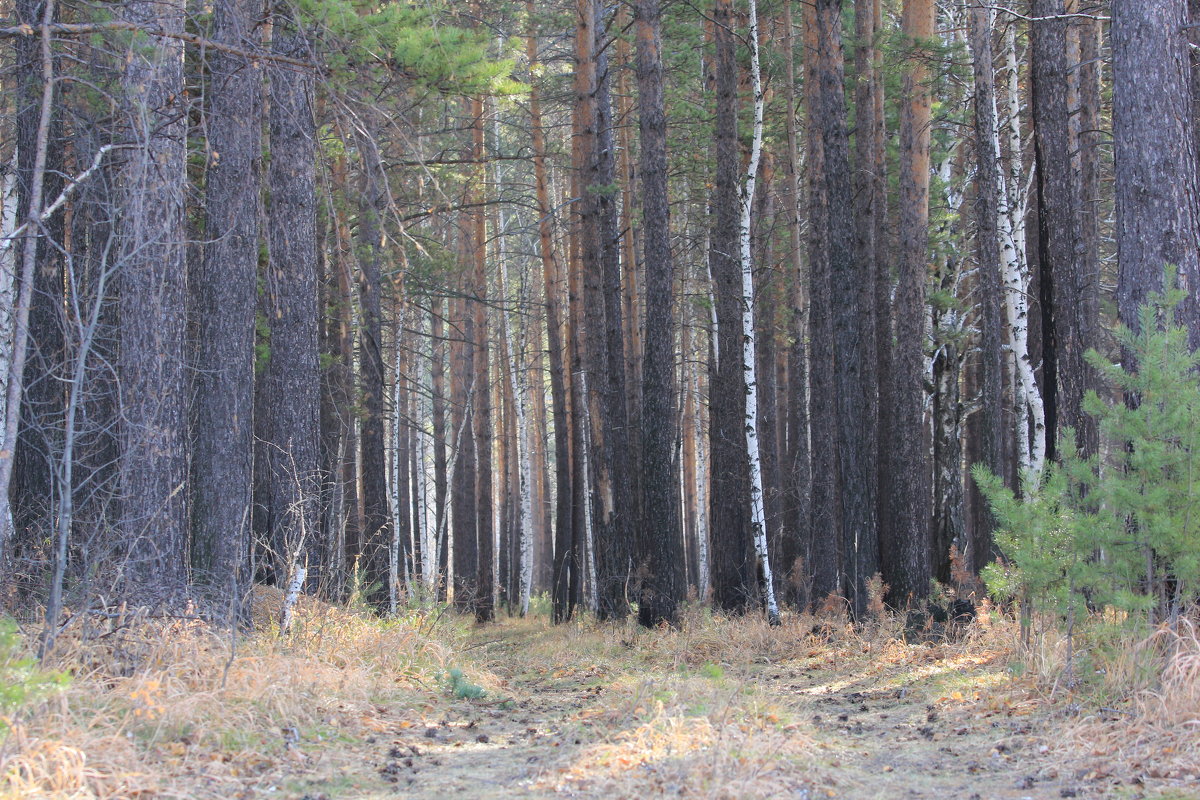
(418, 41)
(22, 680)
(1121, 529)
(460, 687)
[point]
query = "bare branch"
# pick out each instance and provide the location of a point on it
(62, 198)
(85, 28)
(1051, 18)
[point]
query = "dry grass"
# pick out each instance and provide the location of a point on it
(1155, 736)
(671, 720)
(700, 712)
(176, 709)
(718, 708)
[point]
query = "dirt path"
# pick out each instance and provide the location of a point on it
(574, 728)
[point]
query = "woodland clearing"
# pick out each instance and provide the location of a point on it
(349, 706)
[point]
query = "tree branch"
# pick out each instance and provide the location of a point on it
(62, 198)
(85, 28)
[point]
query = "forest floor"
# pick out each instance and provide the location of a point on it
(430, 706)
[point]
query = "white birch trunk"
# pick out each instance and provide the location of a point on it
(524, 448)
(591, 589)
(1030, 411)
(757, 512)
(290, 599)
(8, 264)
(394, 495)
(701, 493)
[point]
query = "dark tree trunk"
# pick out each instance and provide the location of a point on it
(856, 322)
(1155, 154)
(96, 448)
(849, 282)
(614, 541)
(340, 519)
(563, 565)
(883, 285)
(659, 551)
(291, 379)
(824, 553)
(462, 478)
(907, 552)
(222, 465)
(1091, 207)
(481, 412)
(796, 539)
(989, 288)
(437, 371)
(732, 565)
(153, 467)
(377, 532)
(1067, 290)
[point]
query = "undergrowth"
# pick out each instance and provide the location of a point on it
(172, 707)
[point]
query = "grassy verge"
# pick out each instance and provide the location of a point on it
(350, 706)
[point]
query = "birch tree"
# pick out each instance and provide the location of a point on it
(758, 520)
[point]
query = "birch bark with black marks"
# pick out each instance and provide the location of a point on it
(758, 517)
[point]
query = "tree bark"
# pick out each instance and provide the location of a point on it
(1158, 222)
(987, 239)
(563, 516)
(376, 533)
(660, 554)
(482, 409)
(153, 460)
(907, 560)
(858, 306)
(797, 495)
(732, 556)
(223, 404)
(1067, 290)
(40, 438)
(824, 64)
(290, 383)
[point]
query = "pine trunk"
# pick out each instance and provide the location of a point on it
(153, 458)
(223, 404)
(907, 562)
(732, 554)
(1155, 155)
(291, 386)
(659, 553)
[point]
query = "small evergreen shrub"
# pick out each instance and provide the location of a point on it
(1120, 529)
(461, 688)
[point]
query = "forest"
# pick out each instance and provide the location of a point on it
(716, 331)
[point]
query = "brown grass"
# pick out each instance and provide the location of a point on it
(720, 707)
(177, 709)
(1155, 735)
